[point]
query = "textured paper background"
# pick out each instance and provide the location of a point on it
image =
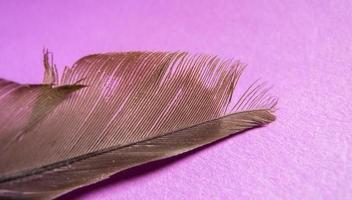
(301, 47)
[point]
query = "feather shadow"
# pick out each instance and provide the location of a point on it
(132, 174)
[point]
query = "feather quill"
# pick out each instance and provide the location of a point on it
(113, 111)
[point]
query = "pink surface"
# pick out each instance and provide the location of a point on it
(302, 48)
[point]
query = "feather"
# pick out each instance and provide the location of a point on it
(113, 111)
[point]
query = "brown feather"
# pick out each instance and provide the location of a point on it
(114, 111)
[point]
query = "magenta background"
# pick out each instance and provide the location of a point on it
(301, 47)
